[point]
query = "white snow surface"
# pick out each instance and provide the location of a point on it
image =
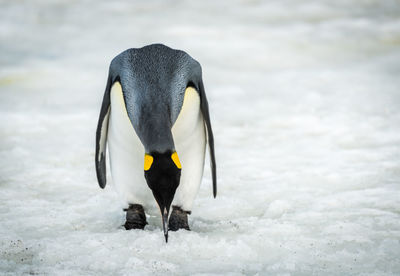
(304, 99)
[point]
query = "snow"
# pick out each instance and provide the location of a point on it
(304, 99)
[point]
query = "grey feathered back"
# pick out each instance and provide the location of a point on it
(153, 80)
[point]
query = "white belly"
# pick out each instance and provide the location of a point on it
(127, 152)
(190, 144)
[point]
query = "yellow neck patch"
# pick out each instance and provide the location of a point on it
(175, 158)
(148, 161)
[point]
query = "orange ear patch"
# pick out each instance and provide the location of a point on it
(175, 158)
(148, 161)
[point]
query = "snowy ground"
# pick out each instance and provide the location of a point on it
(304, 98)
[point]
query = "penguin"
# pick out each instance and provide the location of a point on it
(155, 119)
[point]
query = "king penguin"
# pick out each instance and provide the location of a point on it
(156, 122)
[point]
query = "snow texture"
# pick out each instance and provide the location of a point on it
(304, 99)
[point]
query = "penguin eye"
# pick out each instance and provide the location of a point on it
(175, 158)
(148, 161)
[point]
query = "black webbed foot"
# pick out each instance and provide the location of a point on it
(135, 217)
(178, 219)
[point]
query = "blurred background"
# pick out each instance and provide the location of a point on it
(304, 99)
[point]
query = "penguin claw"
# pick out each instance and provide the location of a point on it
(178, 219)
(135, 217)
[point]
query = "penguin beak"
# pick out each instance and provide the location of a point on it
(164, 209)
(164, 215)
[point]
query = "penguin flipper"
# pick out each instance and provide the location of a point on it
(206, 116)
(101, 137)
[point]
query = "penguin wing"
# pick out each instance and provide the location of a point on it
(206, 116)
(101, 136)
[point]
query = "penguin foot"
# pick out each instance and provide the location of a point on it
(135, 217)
(178, 219)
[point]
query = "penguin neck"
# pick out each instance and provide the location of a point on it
(156, 136)
(150, 112)
(158, 143)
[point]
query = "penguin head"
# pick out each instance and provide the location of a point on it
(163, 172)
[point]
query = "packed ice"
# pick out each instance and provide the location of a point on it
(304, 99)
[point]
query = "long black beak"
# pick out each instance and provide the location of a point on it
(164, 216)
